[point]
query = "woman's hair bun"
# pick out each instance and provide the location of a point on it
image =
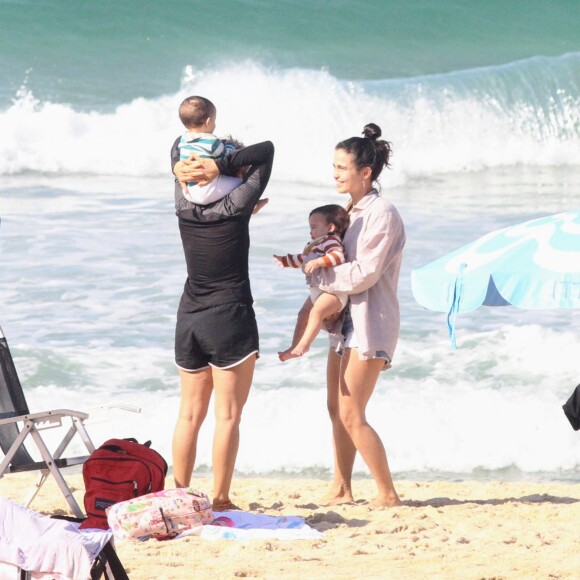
(372, 131)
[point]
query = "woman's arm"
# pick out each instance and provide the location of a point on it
(259, 158)
(381, 241)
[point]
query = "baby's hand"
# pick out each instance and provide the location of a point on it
(279, 261)
(261, 203)
(310, 266)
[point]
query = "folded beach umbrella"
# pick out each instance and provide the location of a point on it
(572, 409)
(532, 265)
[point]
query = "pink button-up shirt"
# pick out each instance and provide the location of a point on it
(373, 245)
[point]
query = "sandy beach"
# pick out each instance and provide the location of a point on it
(465, 529)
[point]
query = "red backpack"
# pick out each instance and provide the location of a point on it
(120, 469)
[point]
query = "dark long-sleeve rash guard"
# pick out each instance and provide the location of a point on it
(216, 238)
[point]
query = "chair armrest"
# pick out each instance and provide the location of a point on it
(55, 415)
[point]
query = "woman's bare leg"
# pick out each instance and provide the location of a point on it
(358, 380)
(344, 450)
(196, 389)
(231, 389)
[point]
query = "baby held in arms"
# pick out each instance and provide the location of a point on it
(198, 115)
(328, 224)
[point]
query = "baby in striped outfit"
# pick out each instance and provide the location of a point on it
(198, 115)
(328, 224)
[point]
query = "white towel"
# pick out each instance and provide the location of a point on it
(38, 543)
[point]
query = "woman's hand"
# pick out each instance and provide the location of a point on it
(196, 169)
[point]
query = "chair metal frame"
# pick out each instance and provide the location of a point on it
(32, 425)
(19, 424)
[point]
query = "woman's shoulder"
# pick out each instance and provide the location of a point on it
(382, 214)
(381, 205)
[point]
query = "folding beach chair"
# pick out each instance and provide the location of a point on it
(17, 424)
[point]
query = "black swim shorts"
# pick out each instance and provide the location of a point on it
(221, 337)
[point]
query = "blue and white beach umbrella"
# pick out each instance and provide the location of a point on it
(532, 265)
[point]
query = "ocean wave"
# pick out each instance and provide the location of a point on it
(526, 112)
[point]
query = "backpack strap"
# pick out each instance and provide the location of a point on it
(117, 448)
(133, 440)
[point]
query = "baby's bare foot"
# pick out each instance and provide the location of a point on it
(300, 350)
(285, 355)
(261, 203)
(289, 353)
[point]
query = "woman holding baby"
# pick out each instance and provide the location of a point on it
(365, 337)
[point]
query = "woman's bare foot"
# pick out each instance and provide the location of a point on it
(292, 352)
(220, 505)
(338, 495)
(385, 501)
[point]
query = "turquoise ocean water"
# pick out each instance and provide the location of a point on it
(482, 104)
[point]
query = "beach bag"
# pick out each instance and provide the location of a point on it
(118, 470)
(161, 515)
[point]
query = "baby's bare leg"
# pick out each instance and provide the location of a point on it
(301, 323)
(326, 305)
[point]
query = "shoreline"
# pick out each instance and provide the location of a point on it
(445, 529)
(507, 475)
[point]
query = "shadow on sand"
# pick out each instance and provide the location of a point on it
(527, 499)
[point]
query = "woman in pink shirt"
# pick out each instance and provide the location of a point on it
(368, 332)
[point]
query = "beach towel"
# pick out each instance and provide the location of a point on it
(240, 525)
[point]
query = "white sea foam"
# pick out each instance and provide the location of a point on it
(523, 113)
(455, 419)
